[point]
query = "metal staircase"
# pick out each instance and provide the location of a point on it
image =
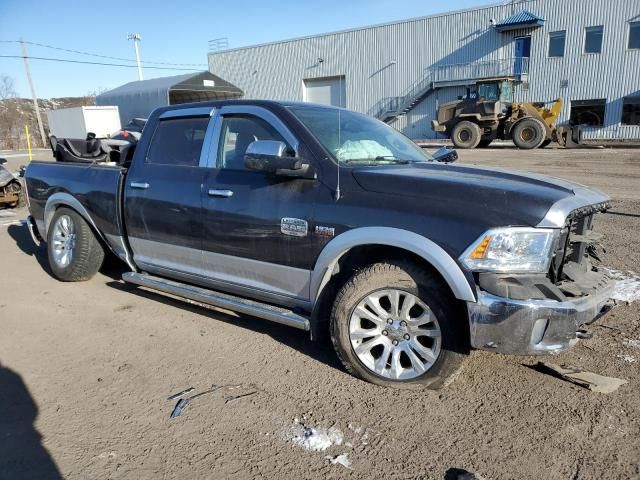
(449, 75)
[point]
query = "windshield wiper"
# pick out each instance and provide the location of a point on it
(377, 161)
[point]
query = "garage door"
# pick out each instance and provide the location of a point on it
(328, 91)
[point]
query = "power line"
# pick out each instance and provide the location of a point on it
(96, 63)
(102, 56)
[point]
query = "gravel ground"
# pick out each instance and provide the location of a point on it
(86, 370)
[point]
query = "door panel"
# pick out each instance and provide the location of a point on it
(243, 239)
(163, 201)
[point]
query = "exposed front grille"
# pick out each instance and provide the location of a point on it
(573, 243)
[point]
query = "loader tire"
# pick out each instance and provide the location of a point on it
(529, 134)
(466, 135)
(75, 254)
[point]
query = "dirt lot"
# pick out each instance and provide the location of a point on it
(87, 368)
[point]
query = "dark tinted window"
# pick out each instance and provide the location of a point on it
(588, 112)
(634, 35)
(556, 43)
(178, 141)
(631, 111)
(238, 132)
(593, 39)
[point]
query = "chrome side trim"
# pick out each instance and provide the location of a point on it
(559, 211)
(119, 247)
(188, 112)
(222, 300)
(269, 277)
(393, 237)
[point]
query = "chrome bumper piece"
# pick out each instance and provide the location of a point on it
(532, 327)
(33, 231)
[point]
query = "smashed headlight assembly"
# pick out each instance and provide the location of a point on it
(512, 250)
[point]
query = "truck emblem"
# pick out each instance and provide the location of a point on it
(325, 231)
(294, 227)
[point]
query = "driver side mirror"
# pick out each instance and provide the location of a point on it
(445, 155)
(271, 156)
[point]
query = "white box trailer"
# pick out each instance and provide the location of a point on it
(76, 122)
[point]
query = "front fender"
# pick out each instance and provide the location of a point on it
(393, 237)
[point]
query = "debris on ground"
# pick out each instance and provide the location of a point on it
(180, 406)
(461, 474)
(316, 439)
(583, 378)
(340, 460)
(627, 358)
(231, 398)
(630, 342)
(627, 287)
(179, 394)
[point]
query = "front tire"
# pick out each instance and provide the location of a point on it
(529, 134)
(75, 254)
(466, 135)
(394, 325)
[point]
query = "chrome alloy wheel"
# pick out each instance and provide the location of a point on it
(395, 334)
(64, 241)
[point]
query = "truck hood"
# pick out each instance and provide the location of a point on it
(495, 197)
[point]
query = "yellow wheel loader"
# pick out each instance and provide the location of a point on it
(488, 112)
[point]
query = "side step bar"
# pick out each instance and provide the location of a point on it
(222, 300)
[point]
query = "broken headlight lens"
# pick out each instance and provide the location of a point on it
(512, 250)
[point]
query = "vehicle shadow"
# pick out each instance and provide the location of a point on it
(20, 234)
(112, 266)
(296, 339)
(21, 452)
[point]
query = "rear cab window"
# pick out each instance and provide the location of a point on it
(178, 141)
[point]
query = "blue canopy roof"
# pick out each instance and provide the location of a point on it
(524, 19)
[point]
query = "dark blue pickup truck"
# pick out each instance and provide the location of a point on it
(332, 222)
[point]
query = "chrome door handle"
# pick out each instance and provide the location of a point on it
(139, 185)
(220, 193)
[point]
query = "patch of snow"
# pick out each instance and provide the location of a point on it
(316, 439)
(627, 287)
(341, 459)
(627, 358)
(630, 342)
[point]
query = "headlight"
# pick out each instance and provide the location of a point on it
(512, 250)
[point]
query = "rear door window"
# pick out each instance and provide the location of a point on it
(178, 141)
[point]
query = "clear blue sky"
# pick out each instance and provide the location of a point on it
(172, 31)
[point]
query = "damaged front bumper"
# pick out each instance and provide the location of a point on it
(533, 327)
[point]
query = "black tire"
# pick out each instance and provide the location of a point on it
(529, 134)
(545, 144)
(87, 254)
(466, 135)
(485, 143)
(407, 278)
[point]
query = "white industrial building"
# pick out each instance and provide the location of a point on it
(585, 51)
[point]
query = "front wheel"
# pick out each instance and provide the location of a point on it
(75, 254)
(466, 134)
(394, 325)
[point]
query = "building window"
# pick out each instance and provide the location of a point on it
(631, 111)
(634, 35)
(593, 39)
(588, 112)
(556, 43)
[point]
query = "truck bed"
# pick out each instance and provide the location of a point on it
(96, 187)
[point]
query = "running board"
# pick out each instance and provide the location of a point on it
(222, 300)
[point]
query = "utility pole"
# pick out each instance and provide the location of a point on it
(33, 93)
(136, 37)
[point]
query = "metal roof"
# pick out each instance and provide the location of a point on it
(520, 20)
(191, 81)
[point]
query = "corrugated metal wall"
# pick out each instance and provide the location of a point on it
(383, 61)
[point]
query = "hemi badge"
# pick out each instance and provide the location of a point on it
(295, 227)
(325, 231)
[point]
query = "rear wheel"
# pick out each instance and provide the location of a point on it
(75, 254)
(485, 143)
(466, 135)
(529, 133)
(394, 325)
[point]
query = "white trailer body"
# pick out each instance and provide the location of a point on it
(76, 122)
